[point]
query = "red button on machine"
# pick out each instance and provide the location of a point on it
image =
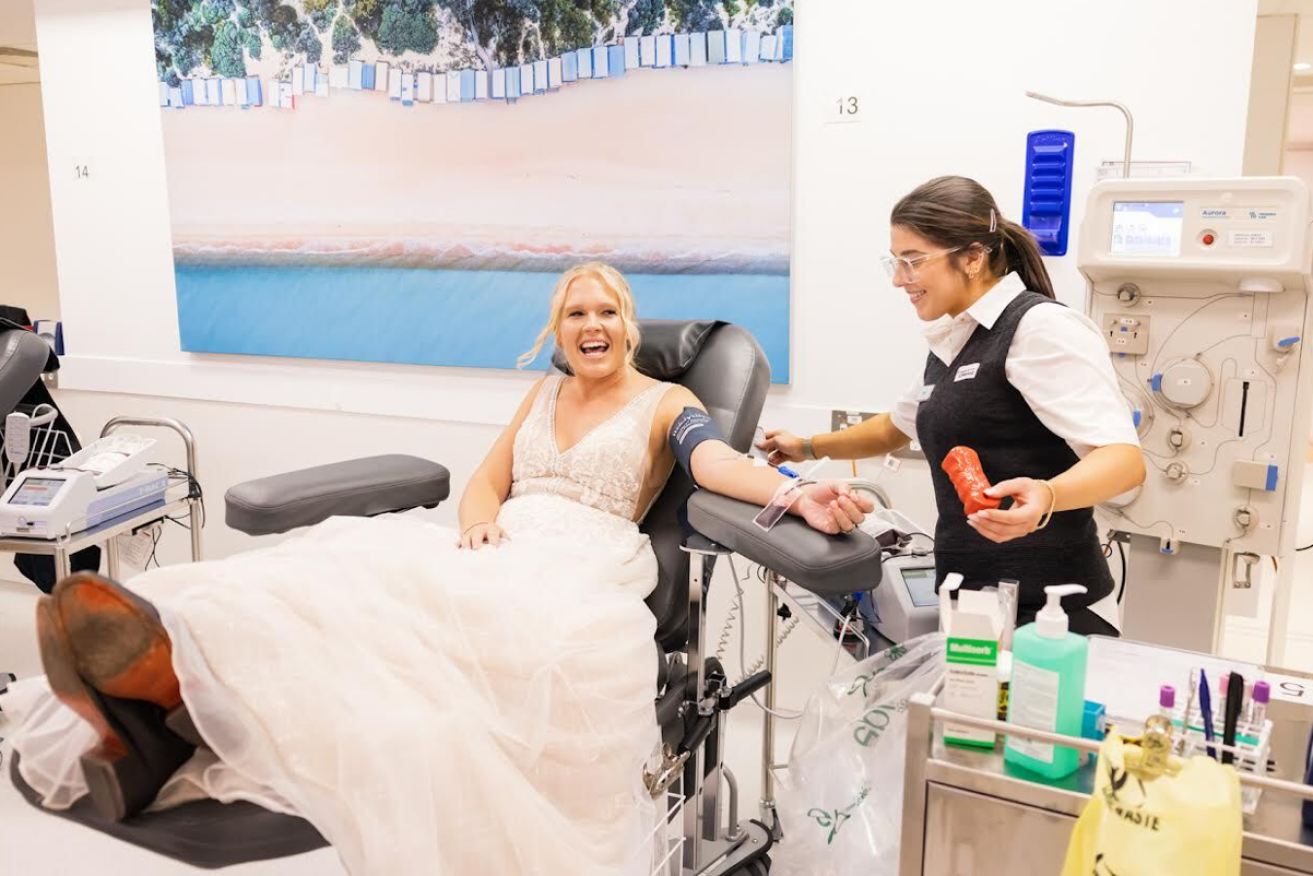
(1208, 239)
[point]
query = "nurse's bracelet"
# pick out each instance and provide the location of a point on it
(1053, 494)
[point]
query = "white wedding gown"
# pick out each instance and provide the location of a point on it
(429, 710)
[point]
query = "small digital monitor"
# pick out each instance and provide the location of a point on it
(921, 586)
(38, 492)
(1147, 227)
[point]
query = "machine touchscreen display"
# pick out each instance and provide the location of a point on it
(921, 586)
(1147, 227)
(37, 491)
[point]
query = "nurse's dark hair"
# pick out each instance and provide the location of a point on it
(954, 211)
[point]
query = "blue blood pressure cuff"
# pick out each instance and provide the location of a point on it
(690, 429)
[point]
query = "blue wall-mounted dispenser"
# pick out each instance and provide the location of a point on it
(1046, 209)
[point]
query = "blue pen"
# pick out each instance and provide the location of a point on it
(1206, 710)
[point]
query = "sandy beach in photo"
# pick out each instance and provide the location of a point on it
(659, 170)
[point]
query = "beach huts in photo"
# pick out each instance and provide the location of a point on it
(653, 51)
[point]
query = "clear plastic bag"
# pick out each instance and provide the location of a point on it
(840, 804)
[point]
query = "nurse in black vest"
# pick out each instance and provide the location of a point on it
(1023, 380)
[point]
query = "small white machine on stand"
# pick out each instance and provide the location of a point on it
(905, 602)
(56, 504)
(105, 480)
(1202, 287)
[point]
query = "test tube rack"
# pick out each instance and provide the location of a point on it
(1253, 742)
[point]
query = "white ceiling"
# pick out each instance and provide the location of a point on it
(18, 32)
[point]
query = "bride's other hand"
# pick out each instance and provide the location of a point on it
(832, 507)
(480, 534)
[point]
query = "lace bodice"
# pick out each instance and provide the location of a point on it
(604, 470)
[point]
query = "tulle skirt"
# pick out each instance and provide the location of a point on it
(429, 710)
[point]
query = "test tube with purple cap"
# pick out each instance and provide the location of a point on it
(1258, 704)
(1167, 700)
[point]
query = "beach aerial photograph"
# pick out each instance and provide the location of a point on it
(402, 180)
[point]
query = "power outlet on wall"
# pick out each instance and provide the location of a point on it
(911, 451)
(841, 419)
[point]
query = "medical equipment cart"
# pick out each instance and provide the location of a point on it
(182, 495)
(966, 812)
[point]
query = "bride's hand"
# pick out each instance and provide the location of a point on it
(832, 507)
(480, 534)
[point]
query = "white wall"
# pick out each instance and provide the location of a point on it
(944, 86)
(27, 244)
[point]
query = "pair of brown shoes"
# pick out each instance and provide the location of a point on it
(108, 657)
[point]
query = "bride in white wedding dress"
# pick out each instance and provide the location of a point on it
(434, 702)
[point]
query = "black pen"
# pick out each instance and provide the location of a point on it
(1235, 695)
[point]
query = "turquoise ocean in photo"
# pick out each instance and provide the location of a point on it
(415, 316)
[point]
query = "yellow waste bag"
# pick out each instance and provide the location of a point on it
(1186, 823)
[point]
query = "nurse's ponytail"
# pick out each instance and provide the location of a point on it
(957, 212)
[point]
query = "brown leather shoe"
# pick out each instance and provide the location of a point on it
(118, 643)
(91, 631)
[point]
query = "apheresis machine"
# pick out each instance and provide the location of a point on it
(1201, 288)
(108, 479)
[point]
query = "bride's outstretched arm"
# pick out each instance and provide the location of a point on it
(829, 507)
(491, 483)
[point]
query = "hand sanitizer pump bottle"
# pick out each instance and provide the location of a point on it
(1048, 687)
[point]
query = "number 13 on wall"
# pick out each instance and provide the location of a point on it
(846, 109)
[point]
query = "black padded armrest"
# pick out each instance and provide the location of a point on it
(828, 565)
(356, 488)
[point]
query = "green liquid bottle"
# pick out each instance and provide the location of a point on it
(1048, 688)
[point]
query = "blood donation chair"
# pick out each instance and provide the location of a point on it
(726, 368)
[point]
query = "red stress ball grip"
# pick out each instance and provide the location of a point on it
(963, 467)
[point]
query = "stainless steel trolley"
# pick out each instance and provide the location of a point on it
(966, 812)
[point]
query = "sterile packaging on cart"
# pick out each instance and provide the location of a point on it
(972, 629)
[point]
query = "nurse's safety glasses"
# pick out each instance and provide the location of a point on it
(893, 264)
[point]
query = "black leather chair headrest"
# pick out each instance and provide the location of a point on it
(667, 349)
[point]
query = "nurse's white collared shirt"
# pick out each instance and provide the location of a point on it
(1058, 361)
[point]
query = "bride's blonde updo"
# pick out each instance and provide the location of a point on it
(615, 283)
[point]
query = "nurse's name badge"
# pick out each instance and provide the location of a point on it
(925, 392)
(966, 372)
